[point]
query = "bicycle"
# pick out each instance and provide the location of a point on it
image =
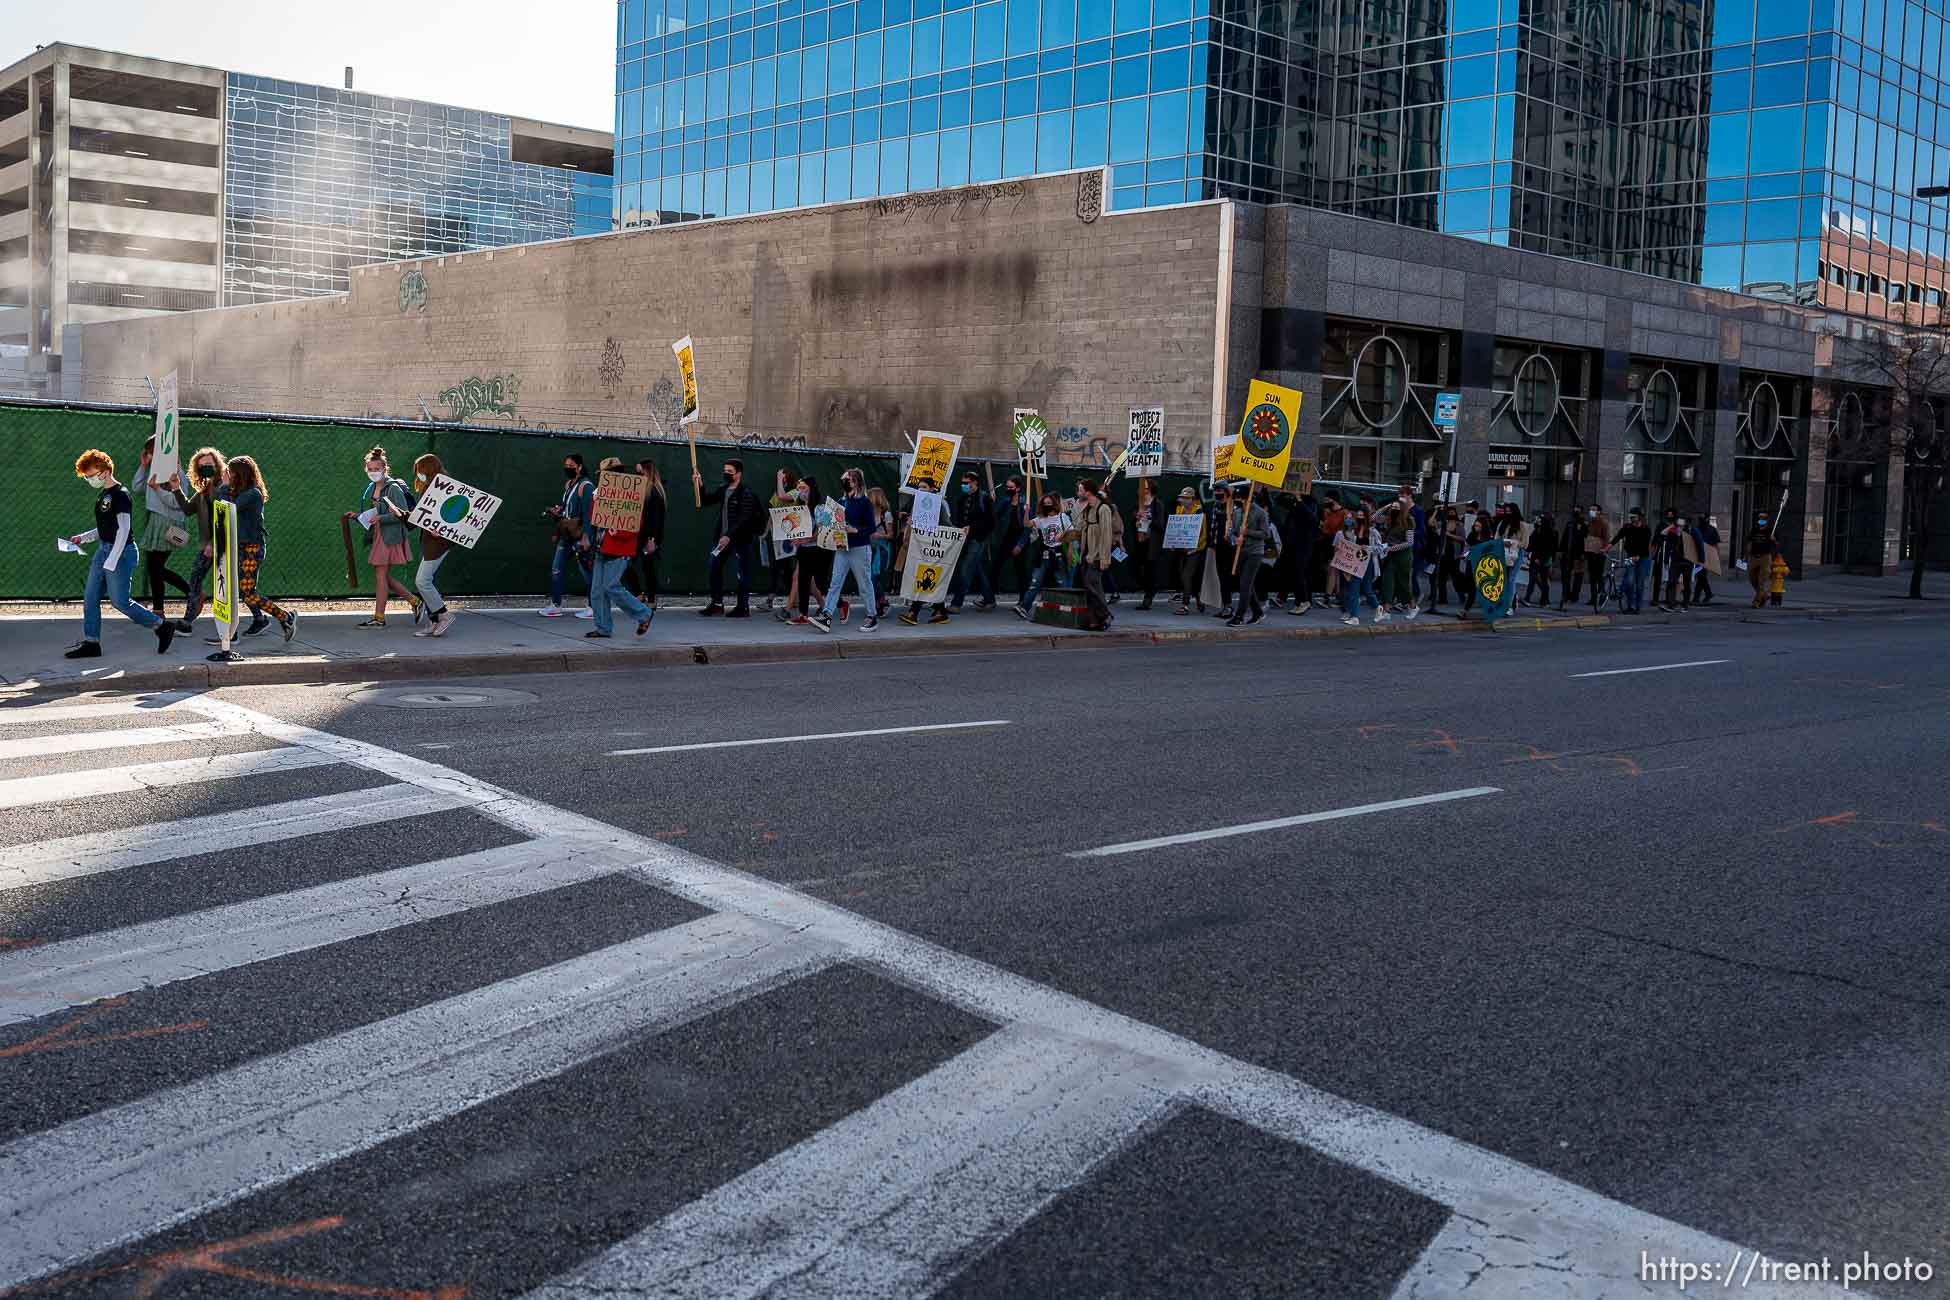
(1609, 588)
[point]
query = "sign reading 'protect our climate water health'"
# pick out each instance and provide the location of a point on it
(451, 509)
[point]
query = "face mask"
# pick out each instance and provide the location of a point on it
(966, 488)
(206, 473)
(729, 476)
(569, 471)
(100, 480)
(1682, 523)
(376, 475)
(419, 480)
(1762, 521)
(1594, 514)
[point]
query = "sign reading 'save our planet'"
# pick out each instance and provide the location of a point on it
(451, 509)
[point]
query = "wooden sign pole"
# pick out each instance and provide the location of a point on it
(697, 488)
(1245, 519)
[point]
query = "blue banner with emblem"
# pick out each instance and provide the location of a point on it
(1495, 578)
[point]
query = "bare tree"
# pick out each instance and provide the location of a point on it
(1913, 363)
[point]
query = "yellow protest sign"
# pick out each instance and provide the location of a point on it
(1266, 434)
(1222, 459)
(687, 367)
(934, 460)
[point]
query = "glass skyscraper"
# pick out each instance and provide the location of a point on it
(319, 180)
(1771, 146)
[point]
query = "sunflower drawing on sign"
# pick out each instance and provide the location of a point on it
(1267, 432)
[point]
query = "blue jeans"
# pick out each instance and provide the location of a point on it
(606, 589)
(858, 561)
(972, 573)
(1048, 569)
(114, 585)
(742, 553)
(565, 560)
(1634, 594)
(1354, 591)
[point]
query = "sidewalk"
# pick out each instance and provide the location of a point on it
(496, 636)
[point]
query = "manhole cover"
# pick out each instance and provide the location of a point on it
(433, 697)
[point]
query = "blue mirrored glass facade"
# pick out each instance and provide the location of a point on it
(1724, 142)
(319, 180)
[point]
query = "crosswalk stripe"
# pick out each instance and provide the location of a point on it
(24, 791)
(118, 707)
(890, 1199)
(93, 852)
(119, 1175)
(38, 981)
(80, 742)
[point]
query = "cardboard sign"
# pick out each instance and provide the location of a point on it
(687, 367)
(1266, 434)
(927, 510)
(451, 509)
(1350, 558)
(934, 461)
(1184, 532)
(1145, 443)
(168, 457)
(223, 568)
(1299, 476)
(619, 502)
(932, 554)
(1031, 434)
(1222, 459)
(792, 524)
(829, 526)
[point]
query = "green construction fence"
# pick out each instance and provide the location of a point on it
(315, 471)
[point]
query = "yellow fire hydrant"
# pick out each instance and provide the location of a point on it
(1779, 575)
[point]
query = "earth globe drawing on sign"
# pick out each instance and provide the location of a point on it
(455, 508)
(1267, 432)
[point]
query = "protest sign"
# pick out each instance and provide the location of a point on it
(927, 510)
(451, 509)
(1146, 442)
(1222, 459)
(1031, 433)
(792, 524)
(166, 461)
(932, 554)
(687, 367)
(829, 526)
(1266, 433)
(1184, 532)
(619, 502)
(934, 461)
(1299, 476)
(1350, 558)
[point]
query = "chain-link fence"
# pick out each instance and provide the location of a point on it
(315, 470)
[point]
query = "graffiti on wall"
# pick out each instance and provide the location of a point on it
(610, 369)
(412, 292)
(950, 203)
(664, 407)
(472, 396)
(775, 441)
(1090, 197)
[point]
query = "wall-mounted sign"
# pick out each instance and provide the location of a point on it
(1511, 462)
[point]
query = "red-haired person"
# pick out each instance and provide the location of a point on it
(113, 563)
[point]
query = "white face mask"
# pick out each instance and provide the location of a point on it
(100, 480)
(376, 474)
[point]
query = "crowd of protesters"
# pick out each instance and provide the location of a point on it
(1253, 552)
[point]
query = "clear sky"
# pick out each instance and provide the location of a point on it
(554, 60)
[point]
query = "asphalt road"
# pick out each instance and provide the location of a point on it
(1648, 961)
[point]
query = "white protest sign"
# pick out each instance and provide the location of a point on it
(168, 456)
(791, 524)
(1146, 443)
(932, 554)
(1182, 532)
(829, 526)
(1031, 434)
(451, 509)
(927, 510)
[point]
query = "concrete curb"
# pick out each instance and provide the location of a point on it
(271, 671)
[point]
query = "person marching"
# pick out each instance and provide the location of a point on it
(112, 567)
(741, 520)
(390, 503)
(434, 550)
(650, 540)
(249, 493)
(856, 559)
(207, 487)
(1191, 567)
(613, 549)
(163, 532)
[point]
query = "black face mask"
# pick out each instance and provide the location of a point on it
(729, 477)
(570, 471)
(205, 474)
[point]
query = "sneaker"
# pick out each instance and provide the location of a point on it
(740, 612)
(185, 625)
(444, 621)
(712, 610)
(419, 608)
(783, 613)
(770, 601)
(1383, 616)
(870, 624)
(550, 611)
(983, 607)
(907, 616)
(643, 627)
(1234, 622)
(585, 612)
(258, 624)
(1182, 610)
(1255, 617)
(798, 620)
(424, 631)
(1412, 613)
(1020, 611)
(594, 635)
(940, 615)
(1351, 621)
(290, 626)
(1224, 613)
(371, 622)
(818, 623)
(1300, 608)
(953, 609)
(85, 650)
(846, 611)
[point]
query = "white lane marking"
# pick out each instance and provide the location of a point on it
(1471, 1181)
(793, 740)
(83, 741)
(1281, 823)
(1655, 668)
(41, 980)
(98, 851)
(21, 792)
(119, 707)
(914, 1183)
(121, 1174)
